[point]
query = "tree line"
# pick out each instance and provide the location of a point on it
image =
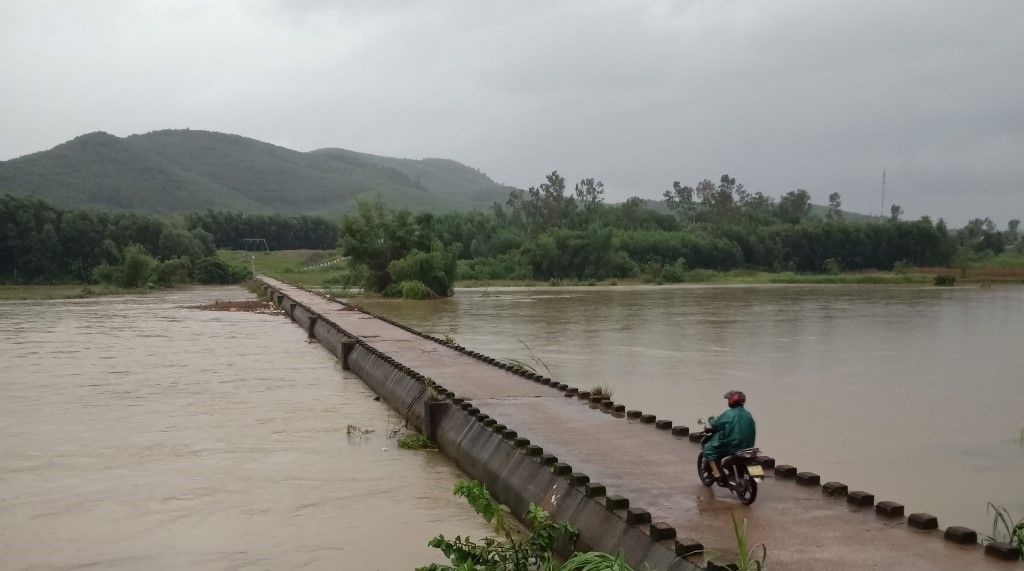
(40, 243)
(281, 231)
(552, 232)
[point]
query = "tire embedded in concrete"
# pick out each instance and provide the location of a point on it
(594, 490)
(638, 515)
(860, 498)
(616, 503)
(661, 531)
(808, 479)
(1002, 550)
(835, 488)
(785, 471)
(923, 521)
(961, 535)
(889, 509)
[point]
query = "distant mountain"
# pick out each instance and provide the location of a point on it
(182, 170)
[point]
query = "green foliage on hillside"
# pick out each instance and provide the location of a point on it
(184, 170)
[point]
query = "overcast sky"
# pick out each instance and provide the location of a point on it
(781, 94)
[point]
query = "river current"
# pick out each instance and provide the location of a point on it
(913, 393)
(138, 434)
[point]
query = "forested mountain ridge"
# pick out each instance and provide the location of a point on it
(185, 170)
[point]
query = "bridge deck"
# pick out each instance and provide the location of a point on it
(802, 528)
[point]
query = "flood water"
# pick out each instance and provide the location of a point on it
(913, 393)
(136, 434)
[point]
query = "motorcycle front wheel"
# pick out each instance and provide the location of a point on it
(704, 472)
(746, 488)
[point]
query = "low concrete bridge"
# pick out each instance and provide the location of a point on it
(627, 480)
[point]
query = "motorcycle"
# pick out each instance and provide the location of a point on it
(741, 470)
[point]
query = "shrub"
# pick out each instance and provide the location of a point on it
(352, 276)
(416, 441)
(135, 270)
(832, 266)
(174, 271)
(674, 273)
(107, 274)
(137, 267)
(945, 279)
(602, 391)
(212, 270)
(510, 266)
(414, 290)
(434, 270)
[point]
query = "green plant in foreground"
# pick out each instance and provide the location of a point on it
(747, 560)
(515, 550)
(416, 441)
(1004, 527)
(595, 561)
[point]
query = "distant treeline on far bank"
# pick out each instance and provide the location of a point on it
(547, 232)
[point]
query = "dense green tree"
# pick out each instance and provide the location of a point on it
(794, 206)
(895, 212)
(376, 235)
(43, 244)
(434, 269)
(835, 203)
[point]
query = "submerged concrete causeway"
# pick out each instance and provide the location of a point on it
(626, 479)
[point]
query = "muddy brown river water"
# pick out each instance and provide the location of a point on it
(136, 434)
(913, 393)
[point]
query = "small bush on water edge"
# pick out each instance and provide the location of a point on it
(1005, 527)
(945, 279)
(416, 441)
(415, 290)
(602, 391)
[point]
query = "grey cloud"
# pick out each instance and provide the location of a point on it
(781, 94)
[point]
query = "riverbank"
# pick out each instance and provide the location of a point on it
(327, 271)
(62, 291)
(737, 277)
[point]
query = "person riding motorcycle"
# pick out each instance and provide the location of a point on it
(733, 430)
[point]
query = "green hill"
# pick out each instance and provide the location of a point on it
(181, 170)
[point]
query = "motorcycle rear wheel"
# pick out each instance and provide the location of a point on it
(746, 488)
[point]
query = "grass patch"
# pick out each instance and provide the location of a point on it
(325, 271)
(416, 441)
(1004, 260)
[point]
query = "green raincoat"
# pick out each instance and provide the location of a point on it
(733, 431)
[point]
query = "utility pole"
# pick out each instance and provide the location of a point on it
(881, 209)
(255, 245)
